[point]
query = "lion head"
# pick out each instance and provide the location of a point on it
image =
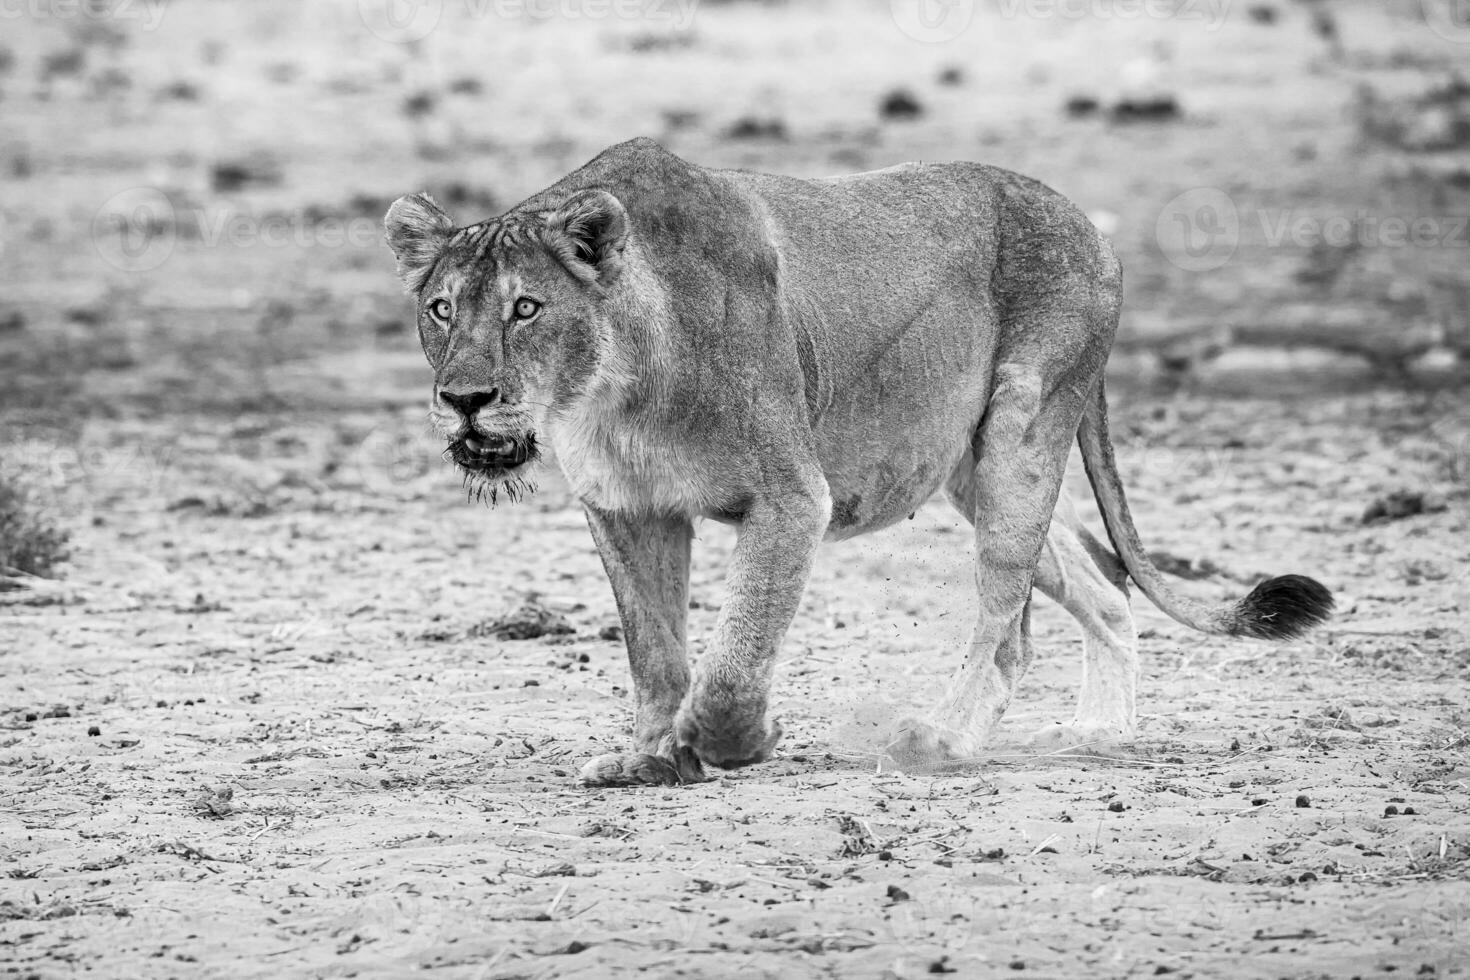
(515, 320)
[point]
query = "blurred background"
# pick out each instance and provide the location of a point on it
(197, 303)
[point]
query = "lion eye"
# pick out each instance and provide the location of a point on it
(440, 310)
(526, 308)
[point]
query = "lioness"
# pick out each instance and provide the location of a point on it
(805, 359)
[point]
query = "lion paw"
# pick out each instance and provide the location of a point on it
(727, 746)
(639, 769)
(1078, 739)
(921, 745)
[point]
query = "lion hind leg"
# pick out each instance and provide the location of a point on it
(1086, 580)
(1030, 422)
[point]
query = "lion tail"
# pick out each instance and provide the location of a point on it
(1279, 608)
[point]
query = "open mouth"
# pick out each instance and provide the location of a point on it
(491, 454)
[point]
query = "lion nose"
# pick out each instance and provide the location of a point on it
(467, 403)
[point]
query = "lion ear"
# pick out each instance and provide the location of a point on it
(417, 229)
(587, 233)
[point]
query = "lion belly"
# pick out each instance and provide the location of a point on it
(894, 424)
(882, 484)
(884, 457)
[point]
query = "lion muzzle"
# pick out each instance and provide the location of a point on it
(481, 453)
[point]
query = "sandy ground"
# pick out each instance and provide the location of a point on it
(264, 727)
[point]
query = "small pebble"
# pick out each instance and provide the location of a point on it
(1259, 801)
(1303, 802)
(1116, 806)
(1082, 105)
(885, 855)
(1390, 811)
(897, 894)
(31, 716)
(1307, 876)
(899, 104)
(94, 731)
(1410, 811)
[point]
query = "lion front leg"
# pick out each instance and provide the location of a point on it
(723, 718)
(647, 562)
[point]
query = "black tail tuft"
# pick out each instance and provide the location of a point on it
(1281, 608)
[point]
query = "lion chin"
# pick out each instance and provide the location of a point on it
(493, 465)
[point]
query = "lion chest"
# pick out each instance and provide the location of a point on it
(631, 467)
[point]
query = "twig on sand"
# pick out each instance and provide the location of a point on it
(773, 882)
(551, 909)
(1046, 842)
